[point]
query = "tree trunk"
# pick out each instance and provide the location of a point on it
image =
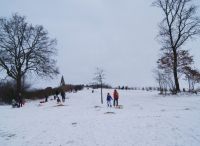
(189, 83)
(175, 71)
(101, 94)
(193, 86)
(18, 84)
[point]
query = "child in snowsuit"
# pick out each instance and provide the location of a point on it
(58, 100)
(46, 98)
(109, 98)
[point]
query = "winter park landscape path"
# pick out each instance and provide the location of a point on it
(147, 119)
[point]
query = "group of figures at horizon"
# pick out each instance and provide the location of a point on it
(56, 97)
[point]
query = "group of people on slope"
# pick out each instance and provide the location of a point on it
(18, 102)
(56, 97)
(115, 100)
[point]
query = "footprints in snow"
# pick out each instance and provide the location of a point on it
(98, 108)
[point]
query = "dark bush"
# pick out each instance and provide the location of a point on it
(7, 91)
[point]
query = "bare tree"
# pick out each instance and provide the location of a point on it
(192, 76)
(99, 77)
(25, 48)
(159, 76)
(180, 24)
(164, 80)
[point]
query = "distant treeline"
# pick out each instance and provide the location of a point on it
(96, 86)
(8, 92)
(106, 86)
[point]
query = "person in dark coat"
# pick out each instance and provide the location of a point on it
(56, 95)
(46, 98)
(20, 100)
(63, 96)
(57, 92)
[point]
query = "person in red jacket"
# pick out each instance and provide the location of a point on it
(116, 97)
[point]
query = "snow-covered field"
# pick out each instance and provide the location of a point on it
(146, 119)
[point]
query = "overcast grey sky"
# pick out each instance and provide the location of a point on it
(118, 36)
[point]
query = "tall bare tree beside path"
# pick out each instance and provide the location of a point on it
(179, 24)
(25, 48)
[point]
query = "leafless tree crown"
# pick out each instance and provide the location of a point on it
(180, 22)
(25, 48)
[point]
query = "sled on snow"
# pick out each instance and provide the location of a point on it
(119, 107)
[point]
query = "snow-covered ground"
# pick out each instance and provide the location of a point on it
(146, 119)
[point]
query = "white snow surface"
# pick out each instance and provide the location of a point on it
(147, 119)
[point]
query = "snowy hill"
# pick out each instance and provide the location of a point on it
(145, 120)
